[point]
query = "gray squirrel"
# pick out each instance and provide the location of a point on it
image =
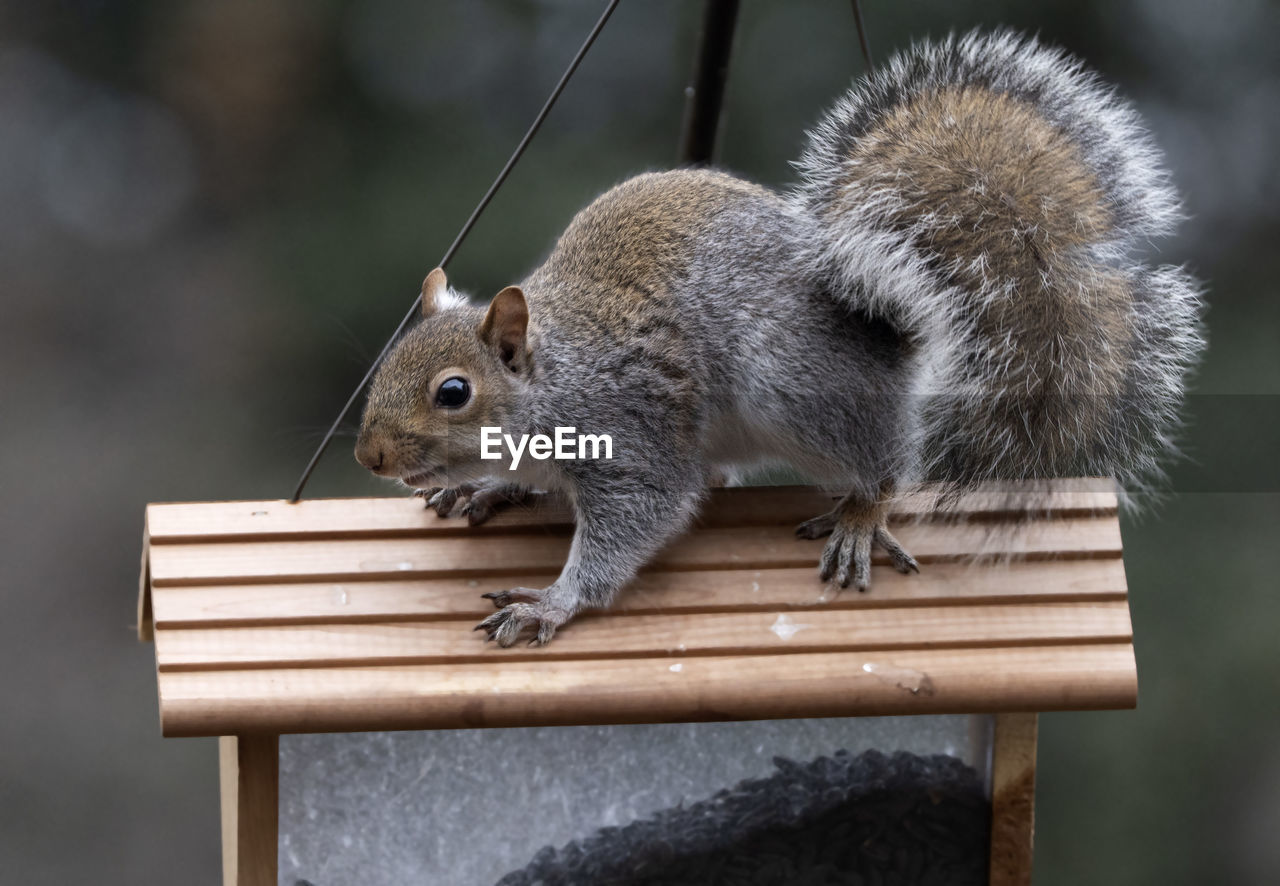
(952, 292)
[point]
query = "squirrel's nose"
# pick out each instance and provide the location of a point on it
(369, 455)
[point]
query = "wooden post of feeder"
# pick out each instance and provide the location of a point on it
(249, 769)
(1013, 797)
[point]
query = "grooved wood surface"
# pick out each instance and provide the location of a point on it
(349, 615)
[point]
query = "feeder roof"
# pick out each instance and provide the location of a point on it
(356, 614)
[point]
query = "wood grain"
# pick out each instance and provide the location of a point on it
(649, 690)
(744, 547)
(738, 506)
(596, 637)
(249, 774)
(356, 615)
(942, 584)
(1013, 789)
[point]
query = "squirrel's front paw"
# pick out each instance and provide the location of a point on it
(522, 608)
(480, 501)
(847, 555)
(487, 499)
(442, 499)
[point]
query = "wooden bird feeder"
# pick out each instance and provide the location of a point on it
(356, 615)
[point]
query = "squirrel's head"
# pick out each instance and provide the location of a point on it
(459, 370)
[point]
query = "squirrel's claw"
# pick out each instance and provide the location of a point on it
(506, 625)
(847, 556)
(502, 599)
(443, 500)
(817, 527)
(901, 560)
(480, 501)
(487, 500)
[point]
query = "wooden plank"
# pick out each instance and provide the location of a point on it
(229, 789)
(310, 518)
(671, 592)
(747, 547)
(739, 506)
(649, 690)
(607, 636)
(249, 772)
(354, 615)
(1013, 787)
(145, 625)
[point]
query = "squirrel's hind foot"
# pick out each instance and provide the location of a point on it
(854, 528)
(848, 554)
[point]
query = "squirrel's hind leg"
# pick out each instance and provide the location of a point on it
(855, 525)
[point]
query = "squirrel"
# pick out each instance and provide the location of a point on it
(951, 292)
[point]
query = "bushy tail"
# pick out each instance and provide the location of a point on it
(987, 194)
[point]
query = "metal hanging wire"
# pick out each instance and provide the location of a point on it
(862, 36)
(457, 241)
(697, 142)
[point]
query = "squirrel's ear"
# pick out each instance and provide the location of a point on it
(505, 326)
(433, 290)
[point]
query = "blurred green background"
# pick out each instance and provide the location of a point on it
(212, 213)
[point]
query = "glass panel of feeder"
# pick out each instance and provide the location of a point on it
(892, 799)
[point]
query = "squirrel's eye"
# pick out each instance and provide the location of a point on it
(453, 393)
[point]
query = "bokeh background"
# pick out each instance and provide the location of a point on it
(212, 213)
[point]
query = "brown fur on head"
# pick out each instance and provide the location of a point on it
(411, 429)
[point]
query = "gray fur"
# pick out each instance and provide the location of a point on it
(884, 269)
(711, 326)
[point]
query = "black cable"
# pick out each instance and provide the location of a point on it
(862, 36)
(706, 87)
(457, 241)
